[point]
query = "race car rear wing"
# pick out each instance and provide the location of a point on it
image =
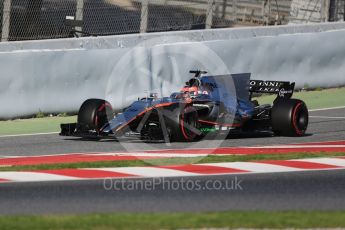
(283, 89)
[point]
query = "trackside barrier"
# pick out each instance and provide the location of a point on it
(58, 75)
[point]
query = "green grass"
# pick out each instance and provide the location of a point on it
(151, 221)
(36, 125)
(315, 99)
(172, 161)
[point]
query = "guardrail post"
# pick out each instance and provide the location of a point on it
(244, 18)
(234, 10)
(269, 10)
(224, 9)
(336, 10)
(265, 11)
(209, 14)
(325, 10)
(144, 16)
(6, 17)
(263, 15)
(79, 13)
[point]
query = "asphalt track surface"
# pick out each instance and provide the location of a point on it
(316, 190)
(330, 127)
(319, 190)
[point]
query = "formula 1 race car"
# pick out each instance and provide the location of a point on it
(206, 104)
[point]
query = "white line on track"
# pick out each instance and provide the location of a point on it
(28, 134)
(34, 177)
(326, 117)
(143, 154)
(329, 161)
(339, 107)
(254, 167)
(317, 142)
(149, 171)
(46, 155)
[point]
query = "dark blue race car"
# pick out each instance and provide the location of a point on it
(206, 104)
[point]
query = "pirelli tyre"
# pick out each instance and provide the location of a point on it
(94, 114)
(183, 124)
(289, 117)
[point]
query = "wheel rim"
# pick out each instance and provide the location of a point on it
(302, 121)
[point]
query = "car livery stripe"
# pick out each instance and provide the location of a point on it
(143, 112)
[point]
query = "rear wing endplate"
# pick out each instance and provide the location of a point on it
(283, 89)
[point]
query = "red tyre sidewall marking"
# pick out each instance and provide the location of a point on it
(101, 108)
(182, 126)
(185, 135)
(294, 119)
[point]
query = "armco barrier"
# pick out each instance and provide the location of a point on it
(57, 75)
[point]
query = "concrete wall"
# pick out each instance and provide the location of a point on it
(58, 75)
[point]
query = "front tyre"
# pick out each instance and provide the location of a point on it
(94, 114)
(184, 125)
(289, 117)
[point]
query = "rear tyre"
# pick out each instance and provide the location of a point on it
(289, 117)
(184, 125)
(94, 114)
